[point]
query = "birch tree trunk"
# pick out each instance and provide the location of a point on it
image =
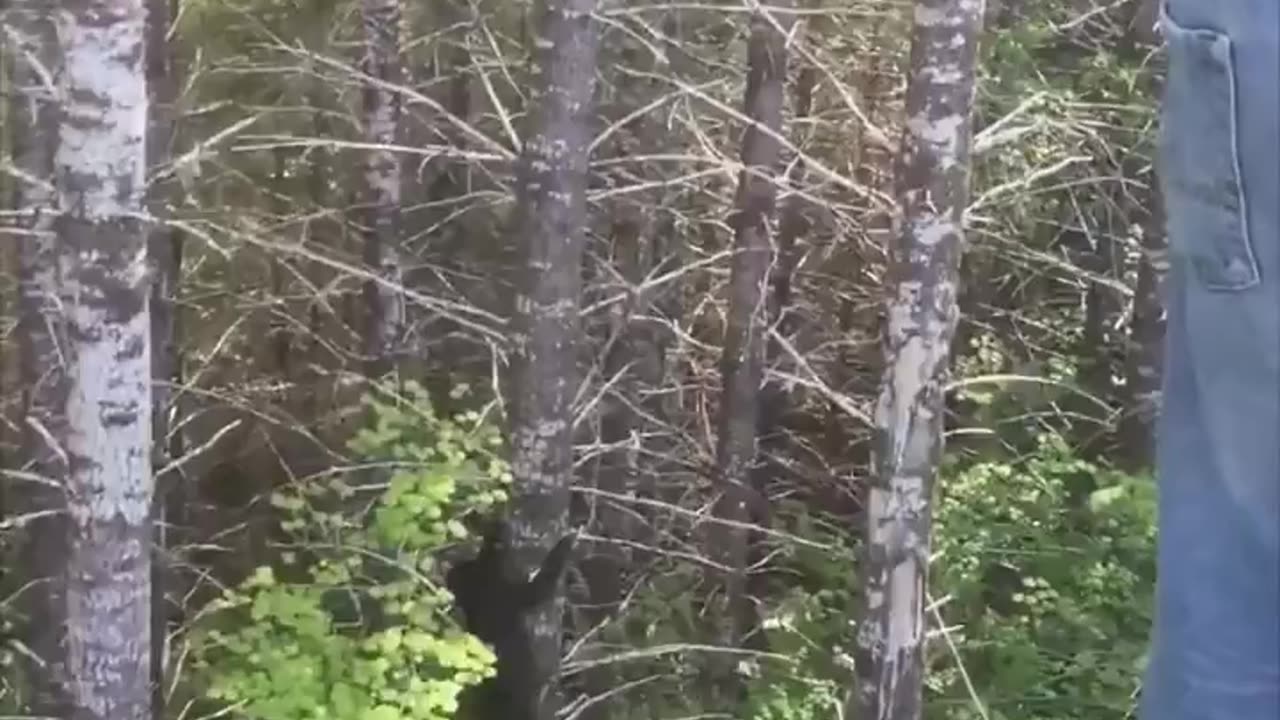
(102, 263)
(384, 323)
(921, 314)
(34, 53)
(742, 364)
(550, 222)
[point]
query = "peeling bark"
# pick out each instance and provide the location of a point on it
(384, 323)
(742, 364)
(921, 314)
(105, 336)
(43, 549)
(550, 222)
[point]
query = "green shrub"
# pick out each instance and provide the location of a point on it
(1047, 565)
(354, 624)
(809, 624)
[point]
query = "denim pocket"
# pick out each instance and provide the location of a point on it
(1199, 163)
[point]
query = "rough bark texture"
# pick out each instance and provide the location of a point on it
(384, 323)
(549, 228)
(742, 364)
(33, 46)
(921, 315)
(105, 339)
(164, 249)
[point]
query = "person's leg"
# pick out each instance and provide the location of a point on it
(1216, 645)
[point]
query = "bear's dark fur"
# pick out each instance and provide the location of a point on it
(494, 606)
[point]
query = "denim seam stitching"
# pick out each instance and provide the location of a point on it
(1255, 272)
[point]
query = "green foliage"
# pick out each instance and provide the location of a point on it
(1046, 568)
(361, 629)
(809, 625)
(804, 670)
(1047, 564)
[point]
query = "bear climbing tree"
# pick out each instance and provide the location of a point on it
(494, 606)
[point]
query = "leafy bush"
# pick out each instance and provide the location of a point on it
(1047, 564)
(354, 624)
(1046, 568)
(803, 672)
(809, 625)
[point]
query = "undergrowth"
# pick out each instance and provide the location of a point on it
(354, 623)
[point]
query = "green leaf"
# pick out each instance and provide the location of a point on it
(1103, 498)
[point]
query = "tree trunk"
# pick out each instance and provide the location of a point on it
(792, 227)
(311, 386)
(384, 322)
(1144, 359)
(921, 314)
(164, 247)
(742, 364)
(43, 546)
(1090, 239)
(105, 340)
(1144, 366)
(550, 219)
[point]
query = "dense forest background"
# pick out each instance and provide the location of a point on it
(413, 265)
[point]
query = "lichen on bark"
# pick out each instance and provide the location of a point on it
(921, 316)
(549, 228)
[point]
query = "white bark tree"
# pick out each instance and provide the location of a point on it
(921, 314)
(104, 331)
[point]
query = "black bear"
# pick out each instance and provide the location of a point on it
(494, 606)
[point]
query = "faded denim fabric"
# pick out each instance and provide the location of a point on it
(1216, 645)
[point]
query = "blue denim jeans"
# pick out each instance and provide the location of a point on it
(1216, 644)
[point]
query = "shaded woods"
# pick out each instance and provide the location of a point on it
(578, 358)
